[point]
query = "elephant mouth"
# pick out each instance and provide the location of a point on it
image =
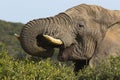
(64, 54)
(47, 41)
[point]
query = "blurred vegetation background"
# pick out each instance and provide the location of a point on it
(7, 30)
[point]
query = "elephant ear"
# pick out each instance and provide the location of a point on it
(116, 22)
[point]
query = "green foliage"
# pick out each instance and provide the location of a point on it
(28, 69)
(105, 71)
(12, 69)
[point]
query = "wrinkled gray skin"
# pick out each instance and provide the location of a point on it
(89, 33)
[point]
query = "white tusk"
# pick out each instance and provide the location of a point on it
(53, 40)
(17, 36)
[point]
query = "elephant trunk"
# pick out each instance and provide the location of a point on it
(31, 39)
(40, 37)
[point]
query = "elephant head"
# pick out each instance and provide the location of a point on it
(39, 37)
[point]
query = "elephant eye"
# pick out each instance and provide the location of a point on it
(80, 25)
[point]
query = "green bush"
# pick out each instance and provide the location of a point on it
(12, 69)
(28, 69)
(105, 71)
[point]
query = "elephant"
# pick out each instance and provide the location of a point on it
(84, 34)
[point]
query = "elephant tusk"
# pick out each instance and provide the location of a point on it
(53, 40)
(17, 36)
